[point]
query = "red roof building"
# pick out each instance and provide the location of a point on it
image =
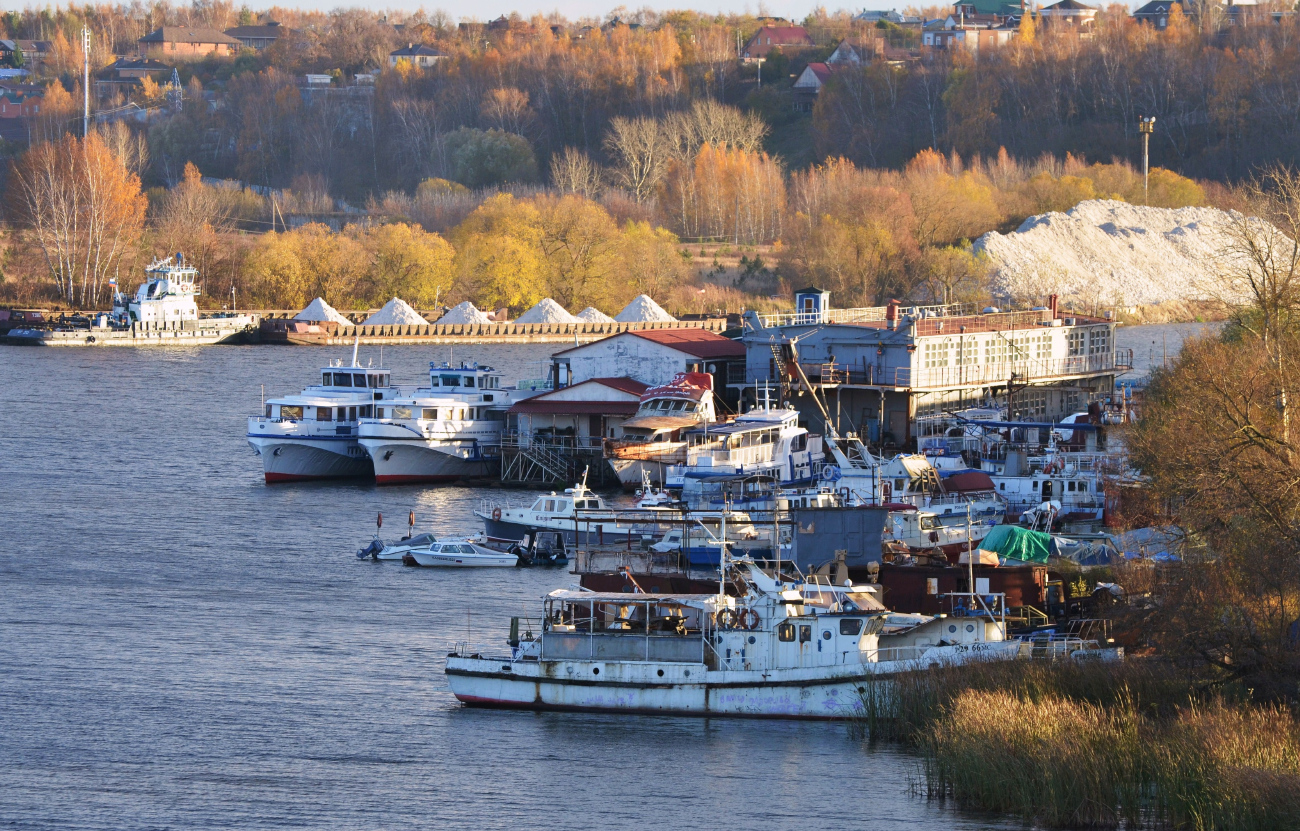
(786, 38)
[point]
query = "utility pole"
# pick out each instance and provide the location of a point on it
(1146, 126)
(85, 82)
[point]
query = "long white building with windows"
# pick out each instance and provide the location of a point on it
(893, 373)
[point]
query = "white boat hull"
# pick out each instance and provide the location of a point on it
(688, 688)
(401, 462)
(287, 459)
(481, 558)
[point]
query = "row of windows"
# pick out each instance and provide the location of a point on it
(786, 631)
(1007, 348)
(350, 379)
(297, 413)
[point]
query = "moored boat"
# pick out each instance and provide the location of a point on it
(395, 551)
(458, 554)
(652, 439)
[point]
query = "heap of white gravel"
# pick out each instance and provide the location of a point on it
(593, 315)
(1113, 253)
(643, 310)
(318, 311)
(465, 312)
(396, 312)
(546, 311)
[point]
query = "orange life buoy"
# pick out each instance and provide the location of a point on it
(748, 619)
(726, 619)
(496, 514)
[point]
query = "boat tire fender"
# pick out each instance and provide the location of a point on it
(748, 619)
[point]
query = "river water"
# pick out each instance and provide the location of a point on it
(182, 646)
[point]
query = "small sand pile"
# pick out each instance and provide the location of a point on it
(1113, 254)
(593, 315)
(396, 312)
(546, 311)
(643, 310)
(465, 312)
(318, 311)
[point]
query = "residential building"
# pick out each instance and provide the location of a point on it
(20, 100)
(1068, 13)
(893, 373)
(887, 16)
(417, 54)
(258, 37)
(972, 37)
(786, 38)
(34, 52)
(581, 414)
(184, 42)
(125, 74)
(651, 356)
(809, 84)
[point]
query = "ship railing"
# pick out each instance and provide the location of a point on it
(626, 646)
(1057, 647)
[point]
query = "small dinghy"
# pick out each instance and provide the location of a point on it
(457, 554)
(380, 550)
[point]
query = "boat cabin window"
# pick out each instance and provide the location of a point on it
(326, 379)
(359, 380)
(366, 411)
(850, 626)
(1034, 485)
(429, 413)
(401, 412)
(450, 380)
(550, 506)
(352, 414)
(799, 442)
(1069, 486)
(805, 634)
(1002, 486)
(268, 410)
(469, 380)
(380, 380)
(324, 413)
(677, 406)
(785, 632)
(689, 408)
(342, 379)
(929, 523)
(294, 413)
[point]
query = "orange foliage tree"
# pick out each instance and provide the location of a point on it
(735, 195)
(85, 209)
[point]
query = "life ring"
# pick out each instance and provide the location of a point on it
(726, 619)
(496, 514)
(748, 619)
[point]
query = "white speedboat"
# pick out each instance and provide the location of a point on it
(444, 432)
(380, 550)
(314, 434)
(783, 650)
(459, 554)
(652, 439)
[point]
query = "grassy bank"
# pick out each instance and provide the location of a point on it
(1095, 745)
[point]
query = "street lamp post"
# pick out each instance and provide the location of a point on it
(1146, 126)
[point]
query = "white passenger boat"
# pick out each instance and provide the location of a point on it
(446, 431)
(652, 439)
(395, 551)
(314, 434)
(783, 650)
(459, 554)
(766, 441)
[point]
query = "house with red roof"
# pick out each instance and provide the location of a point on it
(581, 415)
(810, 83)
(786, 38)
(650, 356)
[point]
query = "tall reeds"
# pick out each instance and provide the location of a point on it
(1093, 745)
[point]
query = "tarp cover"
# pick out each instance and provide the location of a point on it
(1016, 543)
(964, 481)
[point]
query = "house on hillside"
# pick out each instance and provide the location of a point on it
(186, 42)
(34, 52)
(1068, 14)
(874, 17)
(417, 54)
(1156, 13)
(786, 38)
(809, 84)
(258, 37)
(20, 100)
(125, 74)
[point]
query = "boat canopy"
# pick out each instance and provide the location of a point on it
(1016, 543)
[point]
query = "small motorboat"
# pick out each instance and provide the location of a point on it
(380, 550)
(457, 554)
(547, 549)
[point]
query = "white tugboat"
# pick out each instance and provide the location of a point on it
(444, 432)
(162, 312)
(781, 650)
(314, 434)
(652, 439)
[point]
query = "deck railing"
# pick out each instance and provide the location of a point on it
(968, 375)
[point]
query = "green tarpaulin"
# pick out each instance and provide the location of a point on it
(1016, 543)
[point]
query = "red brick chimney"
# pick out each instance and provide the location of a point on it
(891, 314)
(1053, 301)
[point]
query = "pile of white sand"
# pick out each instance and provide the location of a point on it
(318, 311)
(396, 312)
(643, 310)
(593, 315)
(465, 313)
(1114, 253)
(546, 311)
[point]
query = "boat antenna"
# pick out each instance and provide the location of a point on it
(356, 344)
(722, 549)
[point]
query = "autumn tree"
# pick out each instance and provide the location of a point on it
(580, 243)
(726, 193)
(573, 171)
(641, 153)
(405, 261)
(499, 255)
(651, 262)
(84, 208)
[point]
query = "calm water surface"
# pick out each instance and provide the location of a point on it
(182, 646)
